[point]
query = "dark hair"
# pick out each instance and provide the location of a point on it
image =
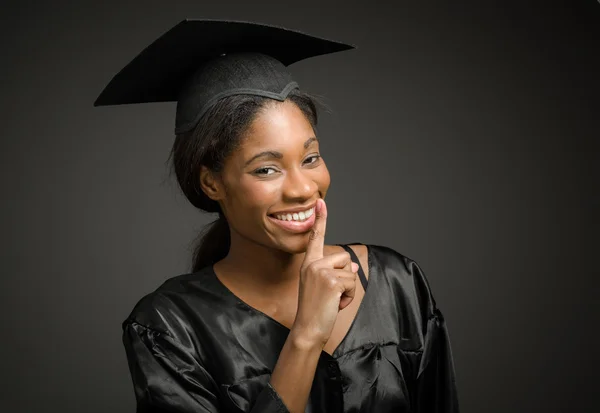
(215, 137)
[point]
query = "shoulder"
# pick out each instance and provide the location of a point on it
(375, 254)
(390, 259)
(403, 273)
(161, 310)
(379, 254)
(381, 258)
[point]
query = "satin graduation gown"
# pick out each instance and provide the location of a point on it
(193, 347)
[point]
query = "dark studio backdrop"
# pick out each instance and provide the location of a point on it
(462, 134)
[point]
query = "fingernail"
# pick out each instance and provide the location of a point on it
(354, 267)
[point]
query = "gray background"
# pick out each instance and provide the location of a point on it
(462, 134)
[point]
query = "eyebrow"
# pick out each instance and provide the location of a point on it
(275, 154)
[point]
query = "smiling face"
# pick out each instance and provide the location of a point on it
(276, 169)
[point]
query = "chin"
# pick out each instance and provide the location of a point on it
(293, 243)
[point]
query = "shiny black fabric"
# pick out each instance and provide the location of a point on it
(194, 347)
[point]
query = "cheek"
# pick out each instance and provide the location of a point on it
(255, 194)
(323, 179)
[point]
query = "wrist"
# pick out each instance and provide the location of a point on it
(306, 341)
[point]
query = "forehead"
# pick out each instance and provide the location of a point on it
(278, 126)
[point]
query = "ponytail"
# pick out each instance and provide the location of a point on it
(212, 244)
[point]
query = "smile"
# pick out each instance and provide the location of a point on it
(298, 222)
(296, 216)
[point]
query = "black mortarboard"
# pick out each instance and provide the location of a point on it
(198, 62)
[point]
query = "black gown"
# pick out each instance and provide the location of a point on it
(194, 347)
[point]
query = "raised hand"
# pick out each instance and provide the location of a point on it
(327, 284)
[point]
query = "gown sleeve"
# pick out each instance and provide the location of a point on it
(168, 378)
(436, 380)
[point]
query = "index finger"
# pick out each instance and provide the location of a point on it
(314, 250)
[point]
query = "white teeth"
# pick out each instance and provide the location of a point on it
(299, 216)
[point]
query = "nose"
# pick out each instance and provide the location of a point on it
(299, 185)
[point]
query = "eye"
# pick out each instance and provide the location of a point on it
(262, 171)
(315, 157)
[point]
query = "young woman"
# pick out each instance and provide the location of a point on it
(270, 319)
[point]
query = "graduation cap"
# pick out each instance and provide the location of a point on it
(198, 62)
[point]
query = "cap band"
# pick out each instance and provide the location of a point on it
(242, 91)
(236, 74)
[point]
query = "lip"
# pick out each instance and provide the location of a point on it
(295, 226)
(299, 209)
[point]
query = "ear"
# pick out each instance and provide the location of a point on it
(211, 184)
